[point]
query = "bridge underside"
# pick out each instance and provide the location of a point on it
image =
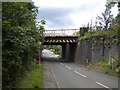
(60, 40)
(68, 44)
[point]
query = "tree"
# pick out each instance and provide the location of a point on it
(105, 20)
(20, 39)
(116, 20)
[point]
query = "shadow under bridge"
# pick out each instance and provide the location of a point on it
(64, 37)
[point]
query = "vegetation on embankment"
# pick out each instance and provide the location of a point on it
(54, 48)
(115, 31)
(33, 78)
(104, 25)
(106, 68)
(20, 36)
(102, 67)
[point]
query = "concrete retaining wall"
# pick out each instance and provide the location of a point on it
(96, 48)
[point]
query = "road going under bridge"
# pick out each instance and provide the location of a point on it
(69, 75)
(67, 38)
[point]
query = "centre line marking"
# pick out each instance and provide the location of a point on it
(80, 74)
(67, 67)
(61, 63)
(103, 85)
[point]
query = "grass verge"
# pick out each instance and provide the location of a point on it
(33, 78)
(98, 68)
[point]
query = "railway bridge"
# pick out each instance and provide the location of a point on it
(67, 38)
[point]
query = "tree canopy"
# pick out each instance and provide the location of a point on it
(106, 19)
(20, 39)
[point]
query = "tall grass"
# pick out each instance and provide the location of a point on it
(33, 78)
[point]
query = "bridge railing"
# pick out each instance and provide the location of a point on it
(61, 32)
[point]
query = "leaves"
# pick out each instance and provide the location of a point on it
(105, 20)
(20, 38)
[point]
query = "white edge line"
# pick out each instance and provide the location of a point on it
(67, 67)
(80, 74)
(103, 85)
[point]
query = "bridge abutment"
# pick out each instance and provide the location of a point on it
(64, 51)
(68, 52)
(68, 44)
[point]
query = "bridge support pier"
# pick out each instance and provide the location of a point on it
(68, 51)
(64, 51)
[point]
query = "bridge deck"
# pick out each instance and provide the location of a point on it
(60, 36)
(50, 40)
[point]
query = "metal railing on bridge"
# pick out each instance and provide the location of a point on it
(61, 32)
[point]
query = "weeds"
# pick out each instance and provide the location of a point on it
(33, 79)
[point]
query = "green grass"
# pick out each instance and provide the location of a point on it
(102, 63)
(101, 67)
(112, 73)
(33, 78)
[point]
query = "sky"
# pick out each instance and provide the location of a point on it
(69, 14)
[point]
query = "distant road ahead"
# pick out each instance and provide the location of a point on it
(69, 75)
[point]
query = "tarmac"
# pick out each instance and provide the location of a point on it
(49, 79)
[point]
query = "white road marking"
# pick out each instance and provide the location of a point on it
(67, 67)
(61, 63)
(103, 85)
(80, 74)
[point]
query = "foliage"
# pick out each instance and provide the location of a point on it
(103, 63)
(77, 33)
(20, 39)
(54, 48)
(112, 66)
(115, 31)
(33, 79)
(116, 20)
(82, 31)
(105, 24)
(96, 66)
(105, 20)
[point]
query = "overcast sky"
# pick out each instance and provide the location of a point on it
(61, 14)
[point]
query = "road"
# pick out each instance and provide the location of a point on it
(69, 75)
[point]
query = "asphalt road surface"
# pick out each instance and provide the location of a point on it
(69, 75)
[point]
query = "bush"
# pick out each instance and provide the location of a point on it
(20, 39)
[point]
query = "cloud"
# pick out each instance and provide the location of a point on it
(68, 13)
(66, 3)
(59, 17)
(52, 13)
